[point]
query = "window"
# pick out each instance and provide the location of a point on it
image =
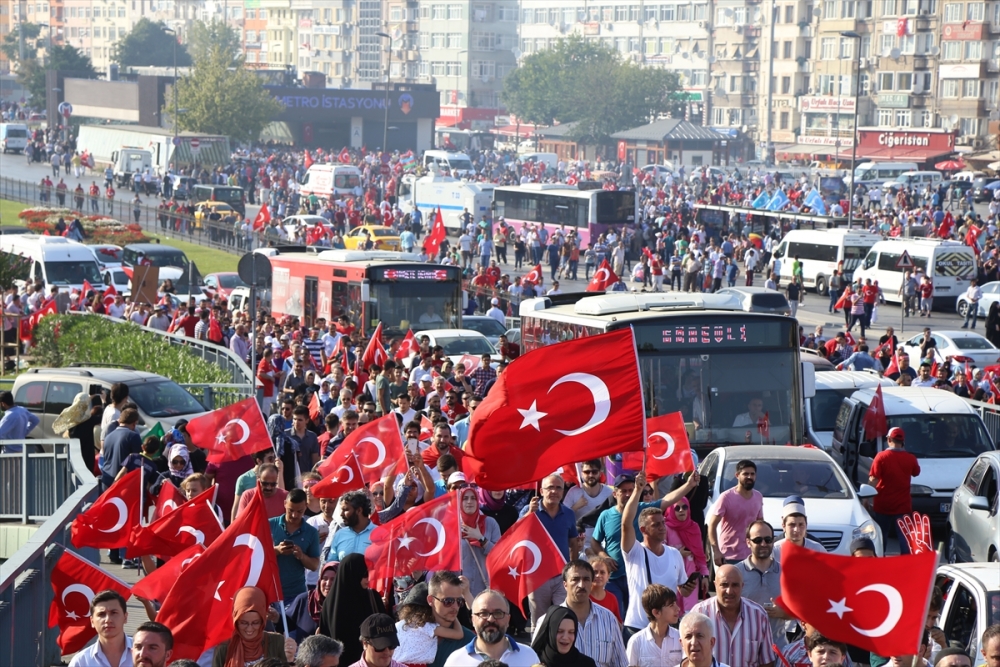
(633, 45)
(437, 40)
(454, 69)
(949, 88)
(650, 45)
(251, 56)
(951, 50)
(454, 40)
(718, 117)
(621, 13)
(740, 15)
(886, 44)
(263, 14)
(699, 78)
(783, 120)
(975, 11)
(970, 88)
(454, 12)
(827, 48)
(992, 93)
(974, 50)
(885, 81)
(907, 44)
(789, 13)
(668, 12)
(438, 68)
(395, 13)
(649, 13)
(699, 13)
(826, 84)
(925, 42)
(786, 50)
(507, 13)
(440, 12)
(251, 36)
(848, 9)
(846, 48)
(953, 12)
(633, 13)
(904, 118)
(735, 84)
(888, 7)
(885, 117)
(720, 17)
(786, 85)
(830, 9)
(921, 82)
(425, 40)
(910, 7)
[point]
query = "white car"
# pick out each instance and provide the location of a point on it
(487, 326)
(107, 254)
(971, 604)
(991, 295)
(960, 345)
(660, 171)
(833, 508)
(975, 514)
(462, 346)
(293, 223)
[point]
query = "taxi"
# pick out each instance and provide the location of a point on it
(384, 237)
(205, 208)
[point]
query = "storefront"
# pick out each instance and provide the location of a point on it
(925, 147)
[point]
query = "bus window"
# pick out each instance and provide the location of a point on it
(615, 208)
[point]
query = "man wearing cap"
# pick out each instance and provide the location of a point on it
(794, 523)
(495, 312)
(891, 474)
(378, 641)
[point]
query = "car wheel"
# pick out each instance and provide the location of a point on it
(963, 308)
(995, 556)
(822, 288)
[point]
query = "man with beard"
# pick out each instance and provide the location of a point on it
(735, 510)
(761, 574)
(152, 645)
(490, 617)
(446, 594)
(589, 494)
(356, 534)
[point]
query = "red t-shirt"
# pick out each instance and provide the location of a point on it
(894, 469)
(869, 293)
(263, 367)
(610, 602)
(926, 290)
(430, 457)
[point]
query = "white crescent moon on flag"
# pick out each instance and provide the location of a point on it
(169, 506)
(350, 474)
(440, 535)
(895, 601)
(599, 393)
(381, 451)
(197, 534)
(122, 516)
(535, 552)
(85, 591)
(670, 444)
(186, 561)
(600, 271)
(243, 425)
(256, 557)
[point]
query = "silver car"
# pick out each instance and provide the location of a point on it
(975, 514)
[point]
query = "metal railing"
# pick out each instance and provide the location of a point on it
(36, 480)
(214, 396)
(990, 415)
(25, 579)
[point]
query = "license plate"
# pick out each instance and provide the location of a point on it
(945, 507)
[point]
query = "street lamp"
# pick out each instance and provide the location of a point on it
(388, 72)
(850, 34)
(173, 32)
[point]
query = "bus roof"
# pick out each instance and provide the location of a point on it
(558, 189)
(360, 257)
(641, 305)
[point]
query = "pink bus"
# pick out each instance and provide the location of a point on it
(557, 205)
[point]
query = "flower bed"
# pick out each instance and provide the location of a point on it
(97, 228)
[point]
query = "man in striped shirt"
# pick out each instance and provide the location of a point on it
(599, 636)
(316, 348)
(742, 628)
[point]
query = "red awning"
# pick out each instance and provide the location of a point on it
(901, 153)
(523, 130)
(447, 121)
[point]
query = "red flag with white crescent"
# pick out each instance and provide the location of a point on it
(75, 582)
(232, 432)
(408, 347)
(345, 474)
(426, 537)
(156, 584)
(377, 445)
(668, 451)
(169, 499)
(263, 217)
(193, 522)
(374, 352)
(603, 278)
(534, 276)
(523, 559)
(108, 523)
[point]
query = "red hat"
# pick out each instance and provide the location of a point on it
(896, 433)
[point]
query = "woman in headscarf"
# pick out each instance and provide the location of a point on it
(347, 605)
(180, 464)
(79, 421)
(555, 641)
(303, 614)
(250, 642)
(494, 505)
(684, 535)
(479, 535)
(993, 324)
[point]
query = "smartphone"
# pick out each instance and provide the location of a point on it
(287, 543)
(695, 576)
(413, 445)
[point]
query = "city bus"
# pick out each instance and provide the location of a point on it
(698, 354)
(566, 207)
(368, 287)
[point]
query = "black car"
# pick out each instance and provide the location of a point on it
(980, 192)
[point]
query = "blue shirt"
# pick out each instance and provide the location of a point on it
(290, 569)
(346, 541)
(16, 424)
(117, 446)
(860, 361)
(608, 530)
(561, 527)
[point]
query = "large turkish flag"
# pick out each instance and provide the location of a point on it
(523, 559)
(426, 537)
(232, 432)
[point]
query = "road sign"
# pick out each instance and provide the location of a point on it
(195, 146)
(905, 261)
(255, 269)
(177, 141)
(65, 109)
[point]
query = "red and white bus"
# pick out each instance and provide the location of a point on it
(368, 287)
(559, 206)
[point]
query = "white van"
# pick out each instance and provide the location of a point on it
(832, 387)
(13, 137)
(451, 195)
(550, 160)
(877, 173)
(52, 260)
(458, 164)
(950, 265)
(822, 251)
(329, 181)
(917, 180)
(942, 430)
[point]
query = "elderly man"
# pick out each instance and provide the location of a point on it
(318, 651)
(491, 617)
(560, 522)
(743, 627)
(698, 641)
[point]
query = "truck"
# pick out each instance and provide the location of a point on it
(104, 142)
(127, 161)
(452, 195)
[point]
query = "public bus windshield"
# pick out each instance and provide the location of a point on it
(415, 305)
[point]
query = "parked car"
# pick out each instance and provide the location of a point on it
(107, 255)
(485, 325)
(971, 604)
(832, 387)
(956, 343)
(834, 510)
(48, 391)
(224, 283)
(975, 514)
(513, 335)
(458, 343)
(991, 294)
(983, 188)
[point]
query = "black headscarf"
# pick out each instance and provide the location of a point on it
(348, 605)
(993, 324)
(544, 643)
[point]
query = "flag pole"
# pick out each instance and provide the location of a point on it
(142, 494)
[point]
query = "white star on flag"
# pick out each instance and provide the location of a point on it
(531, 416)
(404, 541)
(513, 572)
(839, 608)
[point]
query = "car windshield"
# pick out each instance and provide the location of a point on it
(121, 278)
(777, 478)
(108, 254)
(72, 273)
(972, 343)
(934, 436)
(417, 305)
(459, 164)
(486, 326)
(824, 407)
(382, 232)
(471, 345)
(164, 399)
(230, 281)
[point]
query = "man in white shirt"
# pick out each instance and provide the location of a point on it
(496, 313)
(590, 494)
(152, 645)
(658, 644)
(794, 523)
(159, 320)
(117, 309)
(491, 617)
(649, 561)
(972, 295)
(113, 647)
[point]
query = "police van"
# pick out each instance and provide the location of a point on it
(822, 251)
(451, 195)
(950, 265)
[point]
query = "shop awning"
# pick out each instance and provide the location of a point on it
(447, 121)
(523, 130)
(901, 153)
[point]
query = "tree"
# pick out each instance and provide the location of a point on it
(222, 99)
(149, 45)
(31, 73)
(203, 38)
(11, 46)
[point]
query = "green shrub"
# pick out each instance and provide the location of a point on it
(91, 339)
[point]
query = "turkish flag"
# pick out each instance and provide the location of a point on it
(843, 301)
(874, 422)
(345, 155)
(571, 179)
(87, 288)
(408, 347)
(107, 524)
(109, 295)
(876, 604)
(346, 474)
(315, 409)
(470, 362)
(374, 352)
(156, 584)
(432, 244)
(232, 432)
(668, 451)
(426, 537)
(263, 217)
(972, 238)
(199, 607)
(603, 278)
(893, 366)
(75, 581)
(169, 499)
(377, 445)
(308, 161)
(534, 276)
(556, 413)
(523, 559)
(426, 428)
(901, 27)
(764, 426)
(194, 522)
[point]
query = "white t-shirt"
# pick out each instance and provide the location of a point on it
(574, 494)
(809, 544)
(117, 310)
(320, 524)
(642, 651)
(417, 645)
(666, 569)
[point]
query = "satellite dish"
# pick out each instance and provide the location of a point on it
(728, 12)
(934, 51)
(720, 91)
(517, 53)
(711, 60)
(894, 54)
(817, 12)
(685, 55)
(886, 53)
(953, 119)
(745, 129)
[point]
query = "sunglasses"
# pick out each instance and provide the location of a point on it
(177, 462)
(449, 602)
(269, 485)
(680, 508)
(762, 540)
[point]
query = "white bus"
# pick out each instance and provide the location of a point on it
(560, 206)
(329, 181)
(822, 251)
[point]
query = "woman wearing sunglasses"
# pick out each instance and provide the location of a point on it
(684, 535)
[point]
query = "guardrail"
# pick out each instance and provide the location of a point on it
(25, 579)
(214, 396)
(990, 415)
(36, 480)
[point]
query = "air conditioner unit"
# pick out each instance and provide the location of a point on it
(703, 24)
(862, 62)
(738, 29)
(609, 26)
